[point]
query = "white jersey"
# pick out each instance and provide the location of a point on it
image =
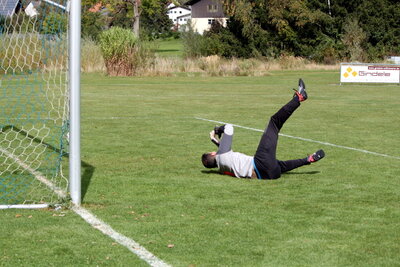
(233, 163)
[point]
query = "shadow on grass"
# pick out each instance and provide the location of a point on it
(301, 173)
(211, 172)
(167, 50)
(286, 173)
(87, 169)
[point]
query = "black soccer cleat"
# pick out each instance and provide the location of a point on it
(301, 92)
(316, 156)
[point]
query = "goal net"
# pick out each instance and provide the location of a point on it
(34, 113)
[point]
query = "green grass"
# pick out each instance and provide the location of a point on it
(170, 48)
(142, 145)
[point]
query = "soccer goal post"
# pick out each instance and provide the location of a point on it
(39, 103)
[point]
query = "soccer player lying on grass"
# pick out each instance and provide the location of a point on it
(264, 164)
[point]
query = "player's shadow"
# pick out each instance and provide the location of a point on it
(87, 169)
(301, 173)
(210, 171)
(286, 173)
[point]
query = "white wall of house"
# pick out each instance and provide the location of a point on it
(203, 24)
(179, 15)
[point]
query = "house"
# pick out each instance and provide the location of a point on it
(179, 15)
(205, 13)
(9, 7)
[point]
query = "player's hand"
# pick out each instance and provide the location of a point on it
(213, 138)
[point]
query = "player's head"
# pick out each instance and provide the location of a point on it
(209, 160)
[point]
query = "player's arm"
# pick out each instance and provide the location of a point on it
(227, 137)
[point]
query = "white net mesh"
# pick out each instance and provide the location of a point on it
(33, 102)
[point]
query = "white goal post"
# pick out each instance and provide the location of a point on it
(40, 161)
(75, 70)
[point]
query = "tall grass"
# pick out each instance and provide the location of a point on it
(30, 52)
(204, 66)
(25, 52)
(91, 58)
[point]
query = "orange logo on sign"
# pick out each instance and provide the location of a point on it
(350, 71)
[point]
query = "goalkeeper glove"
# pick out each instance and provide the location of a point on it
(219, 130)
(213, 138)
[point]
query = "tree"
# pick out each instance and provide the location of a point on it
(353, 38)
(154, 19)
(286, 25)
(93, 23)
(133, 13)
(380, 20)
(123, 9)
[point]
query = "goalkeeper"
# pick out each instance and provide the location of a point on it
(264, 164)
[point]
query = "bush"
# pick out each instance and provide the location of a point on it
(192, 43)
(123, 54)
(217, 41)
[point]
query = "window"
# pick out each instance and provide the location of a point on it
(211, 21)
(212, 8)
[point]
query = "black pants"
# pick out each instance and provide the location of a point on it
(266, 164)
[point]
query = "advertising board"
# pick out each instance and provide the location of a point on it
(369, 73)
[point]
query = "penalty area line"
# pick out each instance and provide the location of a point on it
(90, 218)
(307, 140)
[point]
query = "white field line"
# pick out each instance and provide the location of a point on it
(24, 206)
(96, 223)
(307, 140)
(130, 244)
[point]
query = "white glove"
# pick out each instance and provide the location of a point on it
(214, 139)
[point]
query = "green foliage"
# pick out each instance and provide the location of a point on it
(54, 23)
(380, 20)
(314, 28)
(93, 23)
(20, 23)
(218, 41)
(154, 21)
(192, 43)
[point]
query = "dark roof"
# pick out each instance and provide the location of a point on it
(7, 7)
(191, 2)
(184, 7)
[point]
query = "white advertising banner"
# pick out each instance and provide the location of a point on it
(369, 73)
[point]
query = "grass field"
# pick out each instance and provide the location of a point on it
(170, 47)
(141, 148)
